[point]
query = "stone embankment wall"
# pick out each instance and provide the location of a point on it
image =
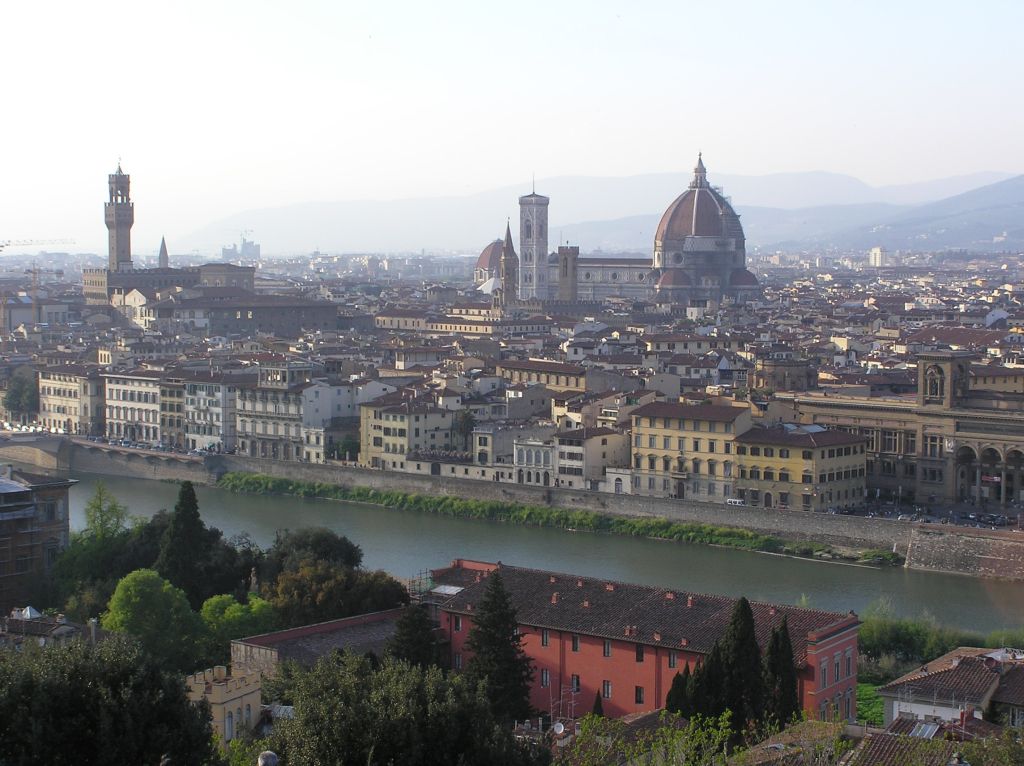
(978, 552)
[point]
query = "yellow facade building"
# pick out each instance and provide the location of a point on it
(804, 468)
(234, 696)
(686, 450)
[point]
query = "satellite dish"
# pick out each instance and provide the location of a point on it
(559, 727)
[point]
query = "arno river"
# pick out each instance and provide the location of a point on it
(406, 543)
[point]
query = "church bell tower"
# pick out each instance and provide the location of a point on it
(533, 246)
(119, 212)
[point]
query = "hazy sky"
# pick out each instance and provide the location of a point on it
(217, 106)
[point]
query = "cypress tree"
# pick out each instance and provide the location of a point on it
(184, 546)
(497, 653)
(678, 700)
(598, 705)
(782, 702)
(707, 696)
(743, 676)
(414, 638)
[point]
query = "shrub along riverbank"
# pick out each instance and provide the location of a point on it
(529, 515)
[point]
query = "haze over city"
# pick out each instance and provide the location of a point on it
(216, 109)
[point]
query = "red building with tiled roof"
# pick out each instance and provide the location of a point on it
(626, 642)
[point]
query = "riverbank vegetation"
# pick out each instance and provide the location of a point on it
(891, 646)
(527, 515)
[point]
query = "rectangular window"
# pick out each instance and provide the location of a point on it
(458, 661)
(673, 659)
(849, 663)
(607, 648)
(458, 624)
(835, 669)
(606, 689)
(824, 675)
(544, 637)
(575, 683)
(639, 652)
(575, 643)
(545, 678)
(638, 695)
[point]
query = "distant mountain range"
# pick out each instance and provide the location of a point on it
(793, 210)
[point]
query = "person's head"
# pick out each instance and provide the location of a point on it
(267, 758)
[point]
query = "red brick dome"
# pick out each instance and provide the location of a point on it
(742, 278)
(697, 212)
(490, 257)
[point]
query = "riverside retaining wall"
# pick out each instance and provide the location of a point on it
(978, 552)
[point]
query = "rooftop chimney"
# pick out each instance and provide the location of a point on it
(586, 603)
(609, 586)
(579, 583)
(554, 597)
(670, 595)
(689, 602)
(552, 578)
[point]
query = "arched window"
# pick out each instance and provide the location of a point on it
(935, 382)
(755, 473)
(229, 727)
(666, 464)
(652, 463)
(528, 230)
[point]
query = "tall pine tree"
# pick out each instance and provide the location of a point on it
(184, 546)
(782, 702)
(497, 653)
(743, 681)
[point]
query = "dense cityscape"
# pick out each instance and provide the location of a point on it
(739, 480)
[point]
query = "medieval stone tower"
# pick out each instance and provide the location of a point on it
(533, 246)
(119, 211)
(567, 262)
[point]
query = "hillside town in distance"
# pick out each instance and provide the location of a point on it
(863, 407)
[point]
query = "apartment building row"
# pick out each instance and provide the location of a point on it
(284, 410)
(708, 452)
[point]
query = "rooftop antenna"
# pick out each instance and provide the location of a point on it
(533, 183)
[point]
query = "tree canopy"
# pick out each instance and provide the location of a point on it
(146, 606)
(318, 591)
(22, 395)
(292, 547)
(105, 518)
(497, 655)
(346, 711)
(108, 704)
